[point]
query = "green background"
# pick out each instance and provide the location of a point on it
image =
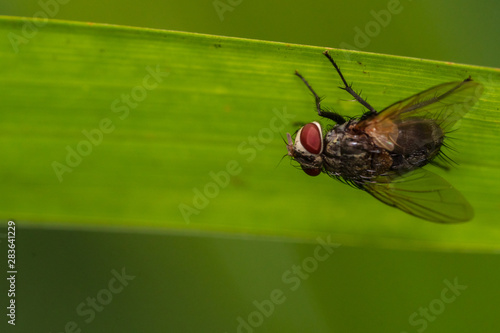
(188, 282)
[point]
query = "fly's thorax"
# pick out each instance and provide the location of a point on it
(352, 154)
(333, 140)
(343, 140)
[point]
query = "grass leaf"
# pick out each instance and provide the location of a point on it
(116, 126)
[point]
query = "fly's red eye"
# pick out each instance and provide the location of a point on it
(311, 138)
(312, 172)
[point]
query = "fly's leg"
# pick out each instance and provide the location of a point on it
(348, 88)
(326, 114)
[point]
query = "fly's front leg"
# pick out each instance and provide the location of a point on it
(326, 114)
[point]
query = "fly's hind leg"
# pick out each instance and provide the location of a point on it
(348, 87)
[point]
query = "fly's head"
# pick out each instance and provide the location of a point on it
(307, 148)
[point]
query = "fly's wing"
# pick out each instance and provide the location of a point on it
(423, 194)
(445, 104)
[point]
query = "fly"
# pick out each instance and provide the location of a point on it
(383, 152)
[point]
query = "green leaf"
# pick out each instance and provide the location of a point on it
(116, 126)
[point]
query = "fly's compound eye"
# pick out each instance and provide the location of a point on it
(310, 138)
(309, 143)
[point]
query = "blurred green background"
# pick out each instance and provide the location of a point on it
(189, 283)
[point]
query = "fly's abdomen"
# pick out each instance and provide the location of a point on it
(419, 141)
